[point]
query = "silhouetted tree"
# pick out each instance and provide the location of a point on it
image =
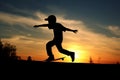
(7, 51)
(91, 61)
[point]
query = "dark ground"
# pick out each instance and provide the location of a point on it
(59, 69)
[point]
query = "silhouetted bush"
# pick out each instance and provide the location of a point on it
(7, 51)
(29, 58)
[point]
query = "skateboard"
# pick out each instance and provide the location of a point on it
(61, 58)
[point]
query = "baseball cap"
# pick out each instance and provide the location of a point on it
(51, 17)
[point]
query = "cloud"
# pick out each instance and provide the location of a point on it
(15, 19)
(114, 29)
(23, 25)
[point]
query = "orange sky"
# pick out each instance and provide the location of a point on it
(86, 43)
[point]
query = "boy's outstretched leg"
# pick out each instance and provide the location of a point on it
(72, 55)
(64, 51)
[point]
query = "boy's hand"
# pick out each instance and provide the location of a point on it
(75, 31)
(36, 26)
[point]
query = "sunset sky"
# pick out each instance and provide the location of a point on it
(97, 22)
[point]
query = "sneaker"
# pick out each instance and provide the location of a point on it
(49, 59)
(72, 55)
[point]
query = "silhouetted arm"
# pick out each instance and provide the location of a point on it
(42, 25)
(75, 31)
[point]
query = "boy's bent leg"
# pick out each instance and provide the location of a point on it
(49, 50)
(50, 58)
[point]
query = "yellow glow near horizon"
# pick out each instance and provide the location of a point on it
(79, 53)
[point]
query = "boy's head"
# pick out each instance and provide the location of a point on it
(51, 18)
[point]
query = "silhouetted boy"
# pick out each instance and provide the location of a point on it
(58, 37)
